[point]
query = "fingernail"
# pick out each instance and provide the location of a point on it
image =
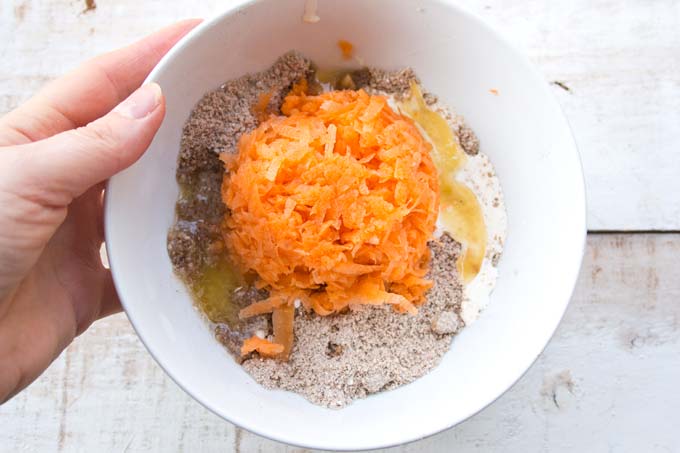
(141, 103)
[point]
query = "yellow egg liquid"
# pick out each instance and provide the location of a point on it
(213, 290)
(459, 211)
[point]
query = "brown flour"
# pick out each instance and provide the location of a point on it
(339, 358)
(215, 125)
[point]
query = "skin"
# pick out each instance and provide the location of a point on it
(56, 152)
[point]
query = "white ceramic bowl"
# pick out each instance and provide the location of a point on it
(522, 129)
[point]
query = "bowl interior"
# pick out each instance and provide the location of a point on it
(521, 128)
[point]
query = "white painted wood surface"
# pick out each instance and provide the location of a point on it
(620, 60)
(608, 381)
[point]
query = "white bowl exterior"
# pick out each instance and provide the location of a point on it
(522, 130)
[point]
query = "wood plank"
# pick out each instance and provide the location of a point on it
(607, 381)
(620, 61)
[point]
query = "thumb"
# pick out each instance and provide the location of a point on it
(64, 166)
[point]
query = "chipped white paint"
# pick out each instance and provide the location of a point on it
(607, 381)
(619, 59)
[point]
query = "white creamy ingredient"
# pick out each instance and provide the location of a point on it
(480, 176)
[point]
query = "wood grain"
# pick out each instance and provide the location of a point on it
(606, 382)
(620, 61)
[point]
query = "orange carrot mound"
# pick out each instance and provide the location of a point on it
(263, 347)
(333, 204)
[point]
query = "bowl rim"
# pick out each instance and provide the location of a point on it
(233, 418)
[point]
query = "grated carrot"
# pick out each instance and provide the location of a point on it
(332, 204)
(263, 347)
(260, 108)
(261, 307)
(282, 319)
(347, 49)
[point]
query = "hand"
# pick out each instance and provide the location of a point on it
(56, 151)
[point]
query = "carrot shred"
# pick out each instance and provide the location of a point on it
(347, 49)
(333, 204)
(263, 347)
(260, 108)
(282, 319)
(261, 307)
(300, 87)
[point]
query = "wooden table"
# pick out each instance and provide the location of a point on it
(608, 379)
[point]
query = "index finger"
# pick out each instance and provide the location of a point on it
(91, 90)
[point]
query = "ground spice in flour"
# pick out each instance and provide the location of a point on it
(339, 358)
(215, 125)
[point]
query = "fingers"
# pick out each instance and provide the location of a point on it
(76, 246)
(110, 303)
(92, 310)
(39, 325)
(38, 328)
(54, 171)
(91, 90)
